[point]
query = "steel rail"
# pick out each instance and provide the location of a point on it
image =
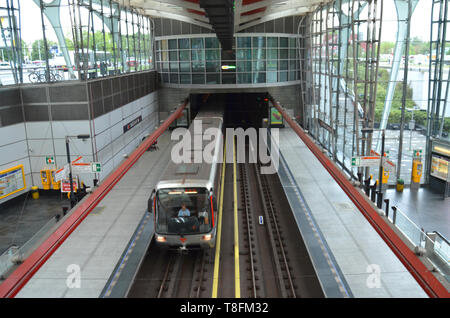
(201, 273)
(430, 284)
(274, 232)
(165, 277)
(246, 204)
(272, 240)
(15, 282)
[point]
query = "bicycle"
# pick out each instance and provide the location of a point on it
(54, 76)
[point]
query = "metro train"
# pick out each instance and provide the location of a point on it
(192, 187)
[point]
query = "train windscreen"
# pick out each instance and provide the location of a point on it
(183, 211)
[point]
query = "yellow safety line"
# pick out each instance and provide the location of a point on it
(219, 229)
(237, 280)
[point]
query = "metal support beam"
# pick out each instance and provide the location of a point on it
(402, 18)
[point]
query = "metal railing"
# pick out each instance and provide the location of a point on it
(14, 255)
(432, 245)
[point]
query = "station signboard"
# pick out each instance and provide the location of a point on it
(12, 180)
(65, 185)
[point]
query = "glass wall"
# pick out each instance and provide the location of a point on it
(256, 59)
(41, 42)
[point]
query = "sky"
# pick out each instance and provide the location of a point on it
(420, 27)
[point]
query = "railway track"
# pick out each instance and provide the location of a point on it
(171, 274)
(268, 268)
(268, 260)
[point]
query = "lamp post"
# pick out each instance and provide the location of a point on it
(380, 173)
(83, 137)
(411, 124)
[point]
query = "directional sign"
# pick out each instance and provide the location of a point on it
(78, 160)
(81, 167)
(62, 173)
(369, 161)
(86, 167)
(96, 167)
(356, 162)
(50, 160)
(388, 165)
(374, 153)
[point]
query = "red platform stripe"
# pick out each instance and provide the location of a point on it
(413, 264)
(15, 282)
(247, 2)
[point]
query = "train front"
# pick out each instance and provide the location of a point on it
(184, 218)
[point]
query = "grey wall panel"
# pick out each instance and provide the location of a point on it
(68, 92)
(185, 28)
(166, 27)
(279, 26)
(63, 112)
(296, 21)
(116, 99)
(106, 87)
(36, 113)
(108, 104)
(34, 94)
(269, 27)
(124, 97)
(259, 28)
(10, 96)
(96, 108)
(289, 25)
(116, 85)
(176, 27)
(95, 90)
(123, 83)
(10, 115)
(158, 28)
(195, 29)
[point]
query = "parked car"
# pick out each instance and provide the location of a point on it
(5, 66)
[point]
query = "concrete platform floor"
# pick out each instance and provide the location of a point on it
(22, 217)
(426, 208)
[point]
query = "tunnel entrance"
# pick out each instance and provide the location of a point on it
(241, 109)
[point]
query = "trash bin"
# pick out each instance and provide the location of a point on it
(400, 185)
(35, 192)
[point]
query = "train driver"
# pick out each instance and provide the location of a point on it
(184, 211)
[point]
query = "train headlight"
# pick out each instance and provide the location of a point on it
(160, 238)
(206, 237)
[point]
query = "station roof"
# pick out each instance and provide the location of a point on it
(247, 13)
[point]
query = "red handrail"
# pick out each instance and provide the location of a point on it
(14, 283)
(413, 264)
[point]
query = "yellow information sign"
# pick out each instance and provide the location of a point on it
(12, 180)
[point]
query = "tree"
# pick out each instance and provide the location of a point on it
(386, 47)
(38, 49)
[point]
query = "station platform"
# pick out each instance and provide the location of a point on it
(22, 217)
(337, 231)
(98, 243)
(427, 209)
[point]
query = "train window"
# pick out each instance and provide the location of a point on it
(183, 211)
